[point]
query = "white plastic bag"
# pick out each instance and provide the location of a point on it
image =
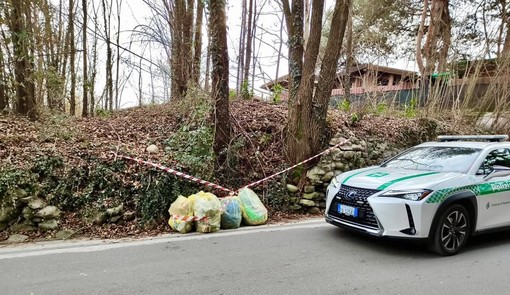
(254, 212)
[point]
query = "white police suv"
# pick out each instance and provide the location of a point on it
(441, 191)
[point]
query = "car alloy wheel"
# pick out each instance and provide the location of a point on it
(452, 231)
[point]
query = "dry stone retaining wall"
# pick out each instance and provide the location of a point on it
(356, 154)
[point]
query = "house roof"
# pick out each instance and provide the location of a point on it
(283, 80)
(359, 69)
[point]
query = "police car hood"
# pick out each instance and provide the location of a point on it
(381, 178)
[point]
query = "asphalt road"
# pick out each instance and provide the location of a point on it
(302, 258)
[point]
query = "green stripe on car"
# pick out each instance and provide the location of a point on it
(355, 174)
(387, 184)
(477, 189)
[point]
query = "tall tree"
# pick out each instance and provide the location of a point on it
(349, 57)
(93, 65)
(117, 70)
(433, 55)
(308, 102)
(4, 102)
(220, 93)
(108, 103)
(280, 45)
(181, 25)
(207, 69)
(54, 53)
(85, 108)
(294, 21)
(249, 41)
(72, 61)
(22, 45)
(242, 44)
(198, 42)
(505, 22)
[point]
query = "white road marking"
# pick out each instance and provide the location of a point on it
(49, 248)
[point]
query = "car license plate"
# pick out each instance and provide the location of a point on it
(348, 210)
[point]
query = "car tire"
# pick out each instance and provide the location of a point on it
(452, 230)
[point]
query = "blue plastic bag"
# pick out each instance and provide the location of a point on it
(231, 216)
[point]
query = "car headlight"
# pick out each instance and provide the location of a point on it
(413, 195)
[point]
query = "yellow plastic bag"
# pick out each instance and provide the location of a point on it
(181, 207)
(209, 206)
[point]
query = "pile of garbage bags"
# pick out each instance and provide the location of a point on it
(206, 213)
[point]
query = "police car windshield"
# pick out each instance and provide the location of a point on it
(440, 159)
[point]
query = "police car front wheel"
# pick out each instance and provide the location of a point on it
(452, 230)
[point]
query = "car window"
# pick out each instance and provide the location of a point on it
(499, 157)
(441, 159)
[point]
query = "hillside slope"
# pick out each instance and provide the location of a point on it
(71, 162)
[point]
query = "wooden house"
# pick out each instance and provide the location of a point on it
(365, 78)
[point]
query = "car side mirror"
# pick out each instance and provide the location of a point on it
(498, 171)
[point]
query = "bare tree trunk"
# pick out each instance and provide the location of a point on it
(438, 38)
(505, 52)
(307, 115)
(349, 57)
(151, 79)
(249, 40)
(38, 52)
(297, 141)
(63, 52)
(4, 102)
(93, 73)
(279, 49)
(294, 19)
(85, 108)
(242, 43)
(109, 56)
(187, 57)
(444, 22)
(220, 93)
(23, 67)
(419, 38)
(306, 26)
(182, 57)
(254, 39)
(327, 74)
(198, 43)
(53, 48)
(117, 100)
(140, 84)
(72, 49)
(207, 69)
(506, 46)
(176, 29)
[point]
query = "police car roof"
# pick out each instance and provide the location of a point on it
(467, 144)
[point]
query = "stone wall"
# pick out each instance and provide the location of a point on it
(22, 213)
(355, 154)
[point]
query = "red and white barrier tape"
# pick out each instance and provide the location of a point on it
(219, 187)
(296, 165)
(177, 173)
(188, 218)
